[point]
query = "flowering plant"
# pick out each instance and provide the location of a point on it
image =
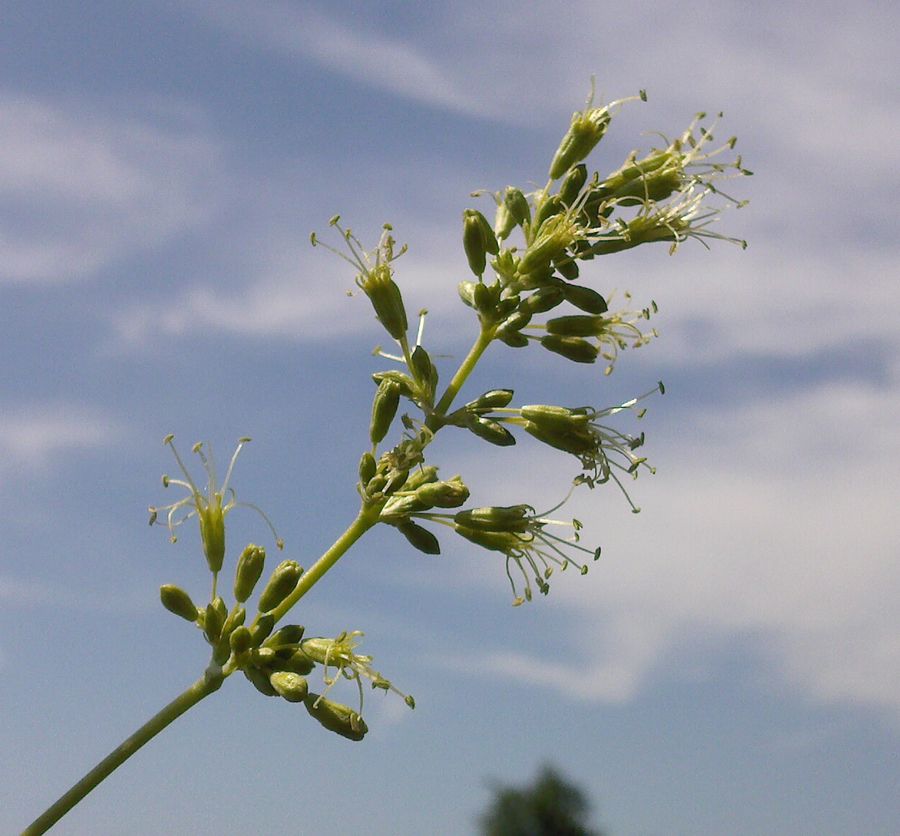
(525, 264)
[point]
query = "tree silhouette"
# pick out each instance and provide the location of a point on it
(548, 807)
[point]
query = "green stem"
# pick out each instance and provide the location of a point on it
(462, 373)
(363, 522)
(201, 689)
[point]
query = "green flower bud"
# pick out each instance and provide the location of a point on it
(490, 431)
(241, 640)
(466, 292)
(571, 186)
(491, 400)
(586, 130)
(404, 381)
(517, 204)
(449, 494)
(515, 322)
(558, 418)
(384, 408)
(297, 662)
(504, 265)
(235, 619)
(249, 569)
(572, 348)
(421, 476)
(419, 538)
(177, 601)
(367, 468)
(585, 298)
(543, 299)
(290, 686)
(497, 518)
(504, 222)
(566, 266)
(336, 717)
(214, 619)
(290, 634)
(261, 629)
(260, 681)
(281, 584)
(549, 208)
(514, 339)
(478, 240)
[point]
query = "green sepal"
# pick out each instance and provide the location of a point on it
(566, 266)
(367, 468)
(248, 571)
(296, 662)
(419, 538)
(425, 371)
(585, 131)
(449, 494)
(240, 640)
(214, 619)
(290, 634)
(514, 339)
(505, 518)
(235, 619)
(212, 533)
(282, 583)
(551, 206)
(572, 185)
(544, 299)
(517, 204)
(421, 476)
(387, 300)
(572, 348)
(340, 719)
(493, 399)
(407, 385)
(466, 292)
(291, 686)
(262, 628)
(177, 601)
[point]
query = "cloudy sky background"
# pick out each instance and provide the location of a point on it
(732, 665)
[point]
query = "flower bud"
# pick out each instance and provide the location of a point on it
(514, 339)
(260, 681)
(384, 408)
(336, 717)
(585, 299)
(235, 619)
(378, 284)
(290, 634)
(261, 629)
(249, 569)
(566, 266)
(177, 601)
(490, 431)
(585, 131)
(478, 240)
(290, 686)
(421, 476)
(297, 662)
(504, 222)
(571, 186)
(241, 640)
(466, 292)
(543, 299)
(572, 348)
(449, 494)
(576, 325)
(424, 370)
(517, 204)
(281, 584)
(491, 400)
(367, 468)
(404, 381)
(419, 538)
(212, 534)
(214, 619)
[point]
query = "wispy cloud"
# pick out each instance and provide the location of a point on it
(80, 188)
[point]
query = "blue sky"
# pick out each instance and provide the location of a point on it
(733, 663)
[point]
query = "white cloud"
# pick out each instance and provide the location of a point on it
(773, 523)
(79, 189)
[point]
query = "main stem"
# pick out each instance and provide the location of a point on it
(201, 689)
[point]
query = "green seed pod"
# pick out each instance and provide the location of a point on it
(290, 634)
(517, 204)
(336, 717)
(585, 299)
(212, 534)
(490, 431)
(260, 681)
(290, 686)
(571, 186)
(419, 538)
(367, 467)
(297, 662)
(450, 494)
(384, 408)
(543, 299)
(216, 613)
(508, 518)
(261, 629)
(177, 601)
(572, 348)
(281, 584)
(241, 640)
(576, 325)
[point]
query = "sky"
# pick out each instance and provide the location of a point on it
(731, 665)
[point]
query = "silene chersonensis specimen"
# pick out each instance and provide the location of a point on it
(526, 293)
